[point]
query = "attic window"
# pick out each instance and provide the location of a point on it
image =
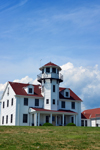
(30, 90)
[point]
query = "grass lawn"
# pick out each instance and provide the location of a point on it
(49, 138)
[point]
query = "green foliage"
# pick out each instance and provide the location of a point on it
(47, 124)
(71, 124)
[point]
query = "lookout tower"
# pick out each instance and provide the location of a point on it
(50, 79)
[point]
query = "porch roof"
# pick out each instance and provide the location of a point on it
(55, 111)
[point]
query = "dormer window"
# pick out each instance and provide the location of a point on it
(30, 90)
(54, 70)
(48, 70)
(66, 94)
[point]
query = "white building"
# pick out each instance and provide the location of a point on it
(27, 104)
(91, 117)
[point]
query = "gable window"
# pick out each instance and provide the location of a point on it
(54, 70)
(3, 104)
(73, 105)
(11, 118)
(12, 102)
(30, 90)
(53, 101)
(47, 101)
(62, 104)
(66, 94)
(82, 122)
(8, 91)
(36, 102)
(25, 118)
(42, 71)
(2, 119)
(7, 103)
(72, 119)
(53, 88)
(6, 119)
(48, 70)
(26, 101)
(47, 118)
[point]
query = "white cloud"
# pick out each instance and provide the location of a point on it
(84, 81)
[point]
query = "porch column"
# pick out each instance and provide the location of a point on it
(50, 118)
(56, 120)
(35, 119)
(63, 119)
(30, 119)
(38, 119)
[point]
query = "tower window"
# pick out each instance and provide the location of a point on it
(63, 104)
(36, 102)
(3, 104)
(53, 88)
(11, 101)
(48, 70)
(47, 101)
(42, 71)
(53, 101)
(54, 70)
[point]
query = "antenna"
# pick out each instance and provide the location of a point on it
(40, 62)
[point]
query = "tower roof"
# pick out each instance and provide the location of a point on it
(50, 64)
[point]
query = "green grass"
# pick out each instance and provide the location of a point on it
(49, 138)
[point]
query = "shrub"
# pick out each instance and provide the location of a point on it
(71, 124)
(47, 124)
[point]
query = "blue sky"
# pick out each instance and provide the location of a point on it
(60, 31)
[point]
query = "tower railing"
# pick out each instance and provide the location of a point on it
(49, 75)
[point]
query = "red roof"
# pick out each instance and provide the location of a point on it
(19, 90)
(62, 111)
(90, 113)
(73, 96)
(50, 64)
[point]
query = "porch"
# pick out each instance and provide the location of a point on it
(38, 117)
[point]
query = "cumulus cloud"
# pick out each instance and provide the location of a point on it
(84, 81)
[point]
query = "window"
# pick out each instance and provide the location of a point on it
(73, 105)
(53, 101)
(26, 101)
(42, 71)
(53, 118)
(3, 104)
(8, 91)
(57, 71)
(47, 118)
(7, 103)
(66, 94)
(7, 119)
(25, 118)
(48, 70)
(54, 70)
(36, 102)
(12, 102)
(2, 119)
(30, 90)
(72, 119)
(63, 104)
(53, 88)
(82, 122)
(47, 101)
(85, 122)
(11, 118)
